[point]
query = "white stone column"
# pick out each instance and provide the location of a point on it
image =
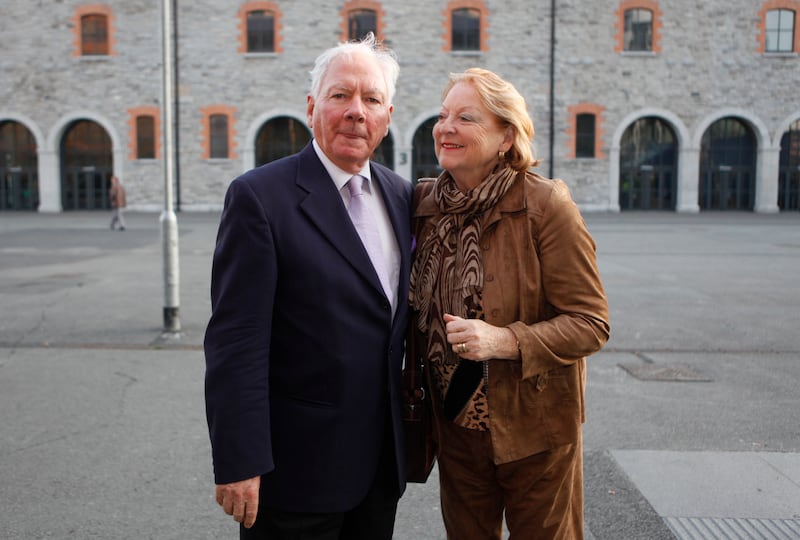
(688, 181)
(767, 177)
(248, 157)
(613, 179)
(49, 182)
(402, 161)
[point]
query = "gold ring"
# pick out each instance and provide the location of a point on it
(462, 348)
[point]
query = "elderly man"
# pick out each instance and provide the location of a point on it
(304, 347)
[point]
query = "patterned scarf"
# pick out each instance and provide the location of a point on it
(447, 276)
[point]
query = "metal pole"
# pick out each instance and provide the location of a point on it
(552, 134)
(176, 70)
(168, 220)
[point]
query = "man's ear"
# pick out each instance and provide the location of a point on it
(391, 110)
(310, 110)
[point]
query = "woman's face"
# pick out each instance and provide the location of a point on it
(468, 137)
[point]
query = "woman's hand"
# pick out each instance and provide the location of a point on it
(474, 339)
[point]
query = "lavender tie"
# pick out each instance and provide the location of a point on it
(367, 228)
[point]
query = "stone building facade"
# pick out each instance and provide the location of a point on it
(672, 105)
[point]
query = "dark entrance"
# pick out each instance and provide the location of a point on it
(384, 154)
(424, 163)
(789, 182)
(19, 181)
(86, 166)
(280, 137)
(727, 166)
(648, 166)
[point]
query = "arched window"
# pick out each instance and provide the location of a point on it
(648, 166)
(384, 154)
(638, 30)
(93, 30)
(361, 22)
(218, 133)
(584, 135)
(145, 137)
(359, 18)
(259, 27)
(789, 185)
(94, 34)
(260, 31)
(638, 26)
(19, 180)
(585, 131)
(86, 166)
(727, 166)
(144, 125)
(466, 23)
(466, 27)
(280, 137)
(423, 155)
(780, 30)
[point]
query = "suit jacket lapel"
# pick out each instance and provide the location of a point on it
(323, 206)
(399, 214)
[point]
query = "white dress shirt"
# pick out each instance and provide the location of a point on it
(373, 199)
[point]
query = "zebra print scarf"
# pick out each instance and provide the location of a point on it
(447, 275)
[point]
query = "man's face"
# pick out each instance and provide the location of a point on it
(351, 115)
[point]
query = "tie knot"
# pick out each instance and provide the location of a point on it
(354, 185)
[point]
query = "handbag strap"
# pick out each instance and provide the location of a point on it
(414, 348)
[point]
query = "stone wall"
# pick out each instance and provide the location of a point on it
(707, 67)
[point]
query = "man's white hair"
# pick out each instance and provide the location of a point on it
(369, 45)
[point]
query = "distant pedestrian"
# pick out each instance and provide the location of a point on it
(116, 194)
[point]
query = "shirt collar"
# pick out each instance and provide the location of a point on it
(339, 176)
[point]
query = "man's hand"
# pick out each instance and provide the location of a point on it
(240, 500)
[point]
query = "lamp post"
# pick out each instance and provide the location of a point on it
(168, 219)
(552, 134)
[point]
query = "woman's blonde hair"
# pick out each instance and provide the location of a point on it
(505, 102)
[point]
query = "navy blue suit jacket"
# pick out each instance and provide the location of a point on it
(303, 356)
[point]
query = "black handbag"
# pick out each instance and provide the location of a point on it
(417, 411)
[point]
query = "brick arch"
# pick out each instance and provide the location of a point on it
(625, 5)
(479, 5)
(769, 5)
(755, 123)
(259, 5)
(351, 5)
(583, 108)
(784, 126)
(30, 125)
(92, 9)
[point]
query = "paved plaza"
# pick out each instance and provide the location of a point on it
(693, 406)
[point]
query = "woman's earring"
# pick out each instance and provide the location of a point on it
(501, 155)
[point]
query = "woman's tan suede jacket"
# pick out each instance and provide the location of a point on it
(541, 281)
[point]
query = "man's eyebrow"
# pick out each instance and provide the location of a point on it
(343, 87)
(338, 87)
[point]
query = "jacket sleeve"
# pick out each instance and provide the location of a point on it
(237, 340)
(575, 322)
